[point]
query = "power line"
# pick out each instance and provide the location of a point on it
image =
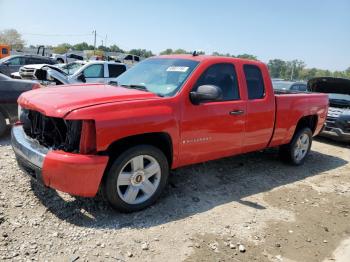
(56, 35)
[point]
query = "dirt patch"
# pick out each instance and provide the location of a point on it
(253, 200)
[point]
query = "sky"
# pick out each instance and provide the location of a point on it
(315, 31)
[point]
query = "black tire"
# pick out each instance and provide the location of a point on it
(60, 61)
(287, 152)
(3, 125)
(110, 186)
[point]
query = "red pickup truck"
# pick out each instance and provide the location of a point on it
(163, 113)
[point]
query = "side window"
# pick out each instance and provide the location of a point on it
(221, 75)
(116, 70)
(34, 60)
(128, 57)
(137, 59)
(255, 82)
(94, 71)
(4, 51)
(302, 88)
(295, 87)
(16, 61)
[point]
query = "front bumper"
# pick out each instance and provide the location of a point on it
(335, 133)
(75, 174)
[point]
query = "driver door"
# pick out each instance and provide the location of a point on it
(13, 65)
(214, 129)
(94, 73)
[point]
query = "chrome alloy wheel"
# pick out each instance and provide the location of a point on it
(301, 147)
(139, 179)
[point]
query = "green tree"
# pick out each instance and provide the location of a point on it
(62, 48)
(115, 48)
(81, 46)
(167, 51)
(141, 52)
(104, 48)
(247, 56)
(277, 68)
(12, 38)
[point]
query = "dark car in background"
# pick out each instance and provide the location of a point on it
(12, 64)
(10, 90)
(282, 85)
(337, 125)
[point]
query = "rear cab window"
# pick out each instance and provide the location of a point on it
(116, 70)
(254, 81)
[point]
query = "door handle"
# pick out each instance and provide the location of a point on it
(236, 112)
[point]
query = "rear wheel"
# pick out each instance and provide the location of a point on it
(136, 178)
(2, 124)
(297, 150)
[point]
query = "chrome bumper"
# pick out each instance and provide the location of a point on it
(336, 133)
(27, 150)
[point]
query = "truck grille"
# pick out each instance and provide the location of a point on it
(51, 132)
(334, 112)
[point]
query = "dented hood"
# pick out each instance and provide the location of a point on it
(330, 85)
(59, 101)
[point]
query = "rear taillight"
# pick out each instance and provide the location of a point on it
(88, 137)
(36, 86)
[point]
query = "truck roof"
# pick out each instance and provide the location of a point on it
(201, 58)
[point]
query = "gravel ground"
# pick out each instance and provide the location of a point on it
(245, 208)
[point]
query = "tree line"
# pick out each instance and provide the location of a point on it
(288, 70)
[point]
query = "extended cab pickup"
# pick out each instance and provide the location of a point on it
(163, 113)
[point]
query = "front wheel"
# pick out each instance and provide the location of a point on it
(297, 150)
(136, 178)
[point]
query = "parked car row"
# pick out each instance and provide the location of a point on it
(337, 125)
(10, 90)
(12, 64)
(282, 85)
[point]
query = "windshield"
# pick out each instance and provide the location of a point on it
(162, 76)
(345, 98)
(281, 85)
(70, 68)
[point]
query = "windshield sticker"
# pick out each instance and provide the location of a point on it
(177, 69)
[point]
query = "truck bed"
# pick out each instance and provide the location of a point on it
(293, 105)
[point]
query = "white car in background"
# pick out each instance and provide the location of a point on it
(91, 72)
(27, 71)
(66, 58)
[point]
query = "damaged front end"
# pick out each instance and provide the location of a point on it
(51, 132)
(337, 124)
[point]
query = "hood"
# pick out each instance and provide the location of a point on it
(329, 85)
(59, 101)
(338, 90)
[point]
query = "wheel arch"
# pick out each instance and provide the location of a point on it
(161, 140)
(309, 121)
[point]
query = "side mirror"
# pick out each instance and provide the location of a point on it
(7, 63)
(81, 77)
(206, 93)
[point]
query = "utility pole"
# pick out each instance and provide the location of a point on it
(106, 41)
(94, 40)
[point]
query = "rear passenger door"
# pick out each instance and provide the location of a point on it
(215, 129)
(260, 109)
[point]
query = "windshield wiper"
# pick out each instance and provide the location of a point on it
(139, 87)
(132, 86)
